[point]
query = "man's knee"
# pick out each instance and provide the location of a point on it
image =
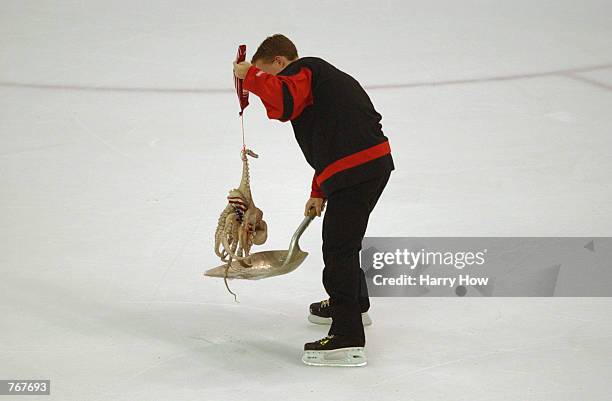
(342, 248)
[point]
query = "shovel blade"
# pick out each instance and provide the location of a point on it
(263, 265)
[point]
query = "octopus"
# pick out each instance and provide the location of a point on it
(241, 223)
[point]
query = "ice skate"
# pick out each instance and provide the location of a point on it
(335, 350)
(320, 313)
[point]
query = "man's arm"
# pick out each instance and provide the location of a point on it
(316, 191)
(284, 97)
(317, 199)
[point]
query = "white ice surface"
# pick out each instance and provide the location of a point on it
(119, 140)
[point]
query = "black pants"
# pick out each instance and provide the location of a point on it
(344, 226)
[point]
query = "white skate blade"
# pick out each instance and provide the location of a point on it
(365, 319)
(354, 356)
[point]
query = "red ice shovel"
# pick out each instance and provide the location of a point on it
(268, 263)
(243, 95)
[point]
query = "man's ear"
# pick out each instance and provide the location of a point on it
(282, 61)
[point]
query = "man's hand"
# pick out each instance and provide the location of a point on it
(317, 203)
(241, 68)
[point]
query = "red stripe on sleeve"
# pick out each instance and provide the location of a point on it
(269, 89)
(315, 191)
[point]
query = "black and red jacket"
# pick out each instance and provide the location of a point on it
(333, 120)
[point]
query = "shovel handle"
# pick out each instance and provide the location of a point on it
(293, 245)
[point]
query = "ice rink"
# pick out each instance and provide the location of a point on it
(120, 139)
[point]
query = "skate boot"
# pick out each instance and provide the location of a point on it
(335, 350)
(320, 313)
